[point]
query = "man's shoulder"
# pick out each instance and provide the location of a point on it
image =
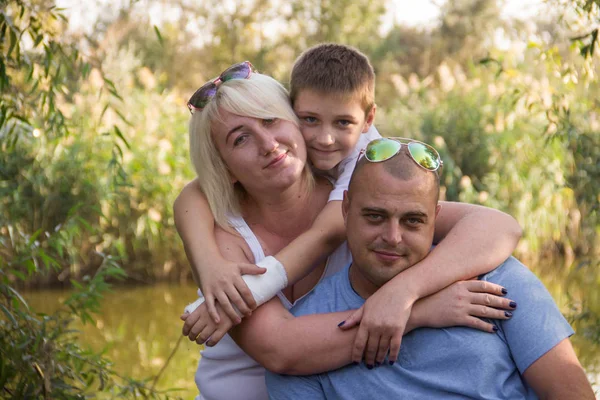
(510, 270)
(322, 298)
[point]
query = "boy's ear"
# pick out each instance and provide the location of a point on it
(369, 119)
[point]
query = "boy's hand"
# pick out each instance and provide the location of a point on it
(222, 281)
(382, 319)
(199, 327)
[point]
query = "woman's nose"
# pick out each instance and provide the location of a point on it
(268, 144)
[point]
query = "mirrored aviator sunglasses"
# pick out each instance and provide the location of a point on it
(382, 149)
(202, 96)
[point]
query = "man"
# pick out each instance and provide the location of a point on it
(389, 211)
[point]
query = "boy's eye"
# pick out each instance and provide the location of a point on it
(344, 122)
(309, 120)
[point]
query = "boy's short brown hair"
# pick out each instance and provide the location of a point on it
(336, 69)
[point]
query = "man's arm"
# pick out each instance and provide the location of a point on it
(558, 375)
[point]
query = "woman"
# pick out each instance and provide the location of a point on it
(247, 146)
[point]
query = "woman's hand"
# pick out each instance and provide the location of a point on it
(464, 303)
(200, 327)
(459, 304)
(222, 281)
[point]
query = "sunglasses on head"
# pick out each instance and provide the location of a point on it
(382, 149)
(202, 96)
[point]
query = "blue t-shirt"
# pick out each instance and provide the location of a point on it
(449, 363)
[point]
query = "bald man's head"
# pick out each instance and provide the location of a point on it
(400, 166)
(390, 211)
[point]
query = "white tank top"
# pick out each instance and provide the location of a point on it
(225, 371)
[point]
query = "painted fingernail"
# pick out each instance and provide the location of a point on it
(342, 323)
(391, 363)
(369, 366)
(508, 314)
(504, 291)
(495, 329)
(513, 304)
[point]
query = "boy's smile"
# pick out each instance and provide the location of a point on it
(331, 125)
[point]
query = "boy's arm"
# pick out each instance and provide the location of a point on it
(325, 235)
(218, 278)
(476, 240)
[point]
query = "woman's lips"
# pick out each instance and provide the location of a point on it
(277, 160)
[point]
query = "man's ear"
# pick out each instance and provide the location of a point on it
(370, 118)
(437, 209)
(345, 206)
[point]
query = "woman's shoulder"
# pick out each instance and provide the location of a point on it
(233, 246)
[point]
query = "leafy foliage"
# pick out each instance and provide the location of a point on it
(48, 201)
(94, 145)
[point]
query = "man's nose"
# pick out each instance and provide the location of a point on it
(392, 234)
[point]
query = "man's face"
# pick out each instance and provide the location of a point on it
(331, 126)
(389, 224)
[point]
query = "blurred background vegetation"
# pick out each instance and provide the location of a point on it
(93, 137)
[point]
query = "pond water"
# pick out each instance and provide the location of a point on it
(139, 328)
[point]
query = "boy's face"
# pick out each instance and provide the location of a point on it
(331, 126)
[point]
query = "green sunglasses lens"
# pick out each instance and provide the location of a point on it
(381, 149)
(425, 156)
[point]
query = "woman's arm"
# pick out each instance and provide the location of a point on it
(218, 278)
(312, 344)
(472, 240)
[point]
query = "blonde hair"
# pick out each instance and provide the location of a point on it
(259, 96)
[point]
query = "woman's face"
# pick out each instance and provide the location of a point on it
(261, 154)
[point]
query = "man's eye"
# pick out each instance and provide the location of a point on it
(414, 221)
(374, 217)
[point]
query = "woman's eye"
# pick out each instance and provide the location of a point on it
(310, 120)
(239, 140)
(269, 121)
